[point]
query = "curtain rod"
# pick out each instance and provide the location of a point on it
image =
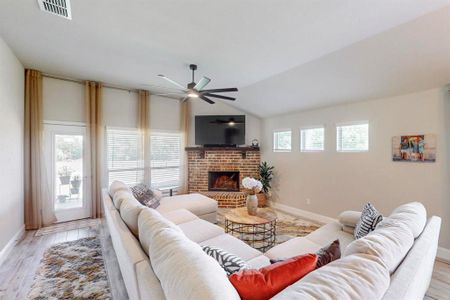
(107, 85)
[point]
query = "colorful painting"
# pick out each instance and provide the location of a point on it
(414, 148)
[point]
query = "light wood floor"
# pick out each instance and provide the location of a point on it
(17, 272)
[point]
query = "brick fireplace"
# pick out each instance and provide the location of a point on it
(218, 172)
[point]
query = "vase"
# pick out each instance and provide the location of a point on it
(252, 205)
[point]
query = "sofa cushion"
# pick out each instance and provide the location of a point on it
(200, 230)
(151, 221)
(292, 247)
(349, 218)
(179, 216)
(370, 217)
(129, 212)
(268, 281)
(358, 276)
(196, 203)
(233, 245)
(390, 242)
(117, 186)
(119, 196)
(258, 262)
(229, 262)
(185, 271)
(413, 214)
(328, 233)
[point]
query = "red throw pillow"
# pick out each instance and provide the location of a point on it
(266, 282)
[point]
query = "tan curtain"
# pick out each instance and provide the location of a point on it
(184, 128)
(38, 205)
(144, 128)
(94, 116)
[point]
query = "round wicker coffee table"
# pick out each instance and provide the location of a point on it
(257, 231)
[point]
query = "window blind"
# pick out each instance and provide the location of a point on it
(123, 156)
(165, 159)
(352, 137)
(282, 141)
(312, 139)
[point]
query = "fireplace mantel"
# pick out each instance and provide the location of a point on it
(242, 150)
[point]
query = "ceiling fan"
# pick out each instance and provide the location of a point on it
(196, 90)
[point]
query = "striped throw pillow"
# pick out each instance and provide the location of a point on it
(229, 262)
(370, 217)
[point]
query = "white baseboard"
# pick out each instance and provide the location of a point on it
(443, 255)
(10, 245)
(303, 213)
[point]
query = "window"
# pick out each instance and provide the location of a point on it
(312, 139)
(352, 137)
(165, 159)
(123, 154)
(282, 141)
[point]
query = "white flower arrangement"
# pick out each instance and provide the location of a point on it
(255, 186)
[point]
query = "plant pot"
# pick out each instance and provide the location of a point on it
(64, 179)
(76, 184)
(252, 205)
(262, 199)
(75, 191)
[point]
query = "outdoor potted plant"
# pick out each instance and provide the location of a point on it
(254, 186)
(265, 176)
(75, 182)
(64, 175)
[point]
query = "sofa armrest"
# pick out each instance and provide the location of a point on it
(349, 218)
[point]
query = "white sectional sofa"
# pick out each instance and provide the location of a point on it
(367, 270)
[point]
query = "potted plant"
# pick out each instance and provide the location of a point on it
(254, 186)
(64, 175)
(62, 198)
(75, 182)
(265, 176)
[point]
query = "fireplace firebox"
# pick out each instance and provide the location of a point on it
(224, 181)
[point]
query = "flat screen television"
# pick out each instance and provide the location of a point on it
(216, 131)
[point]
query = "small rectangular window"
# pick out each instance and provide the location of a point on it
(312, 139)
(282, 141)
(166, 153)
(353, 137)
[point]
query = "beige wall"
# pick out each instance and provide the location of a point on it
(11, 145)
(339, 181)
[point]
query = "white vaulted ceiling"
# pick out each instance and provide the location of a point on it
(283, 55)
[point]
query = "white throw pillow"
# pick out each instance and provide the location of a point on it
(390, 242)
(151, 221)
(117, 186)
(413, 214)
(358, 276)
(185, 271)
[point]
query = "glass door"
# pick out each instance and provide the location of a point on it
(66, 148)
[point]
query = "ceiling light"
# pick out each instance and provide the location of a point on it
(193, 95)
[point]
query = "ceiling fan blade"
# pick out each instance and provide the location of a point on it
(206, 99)
(173, 82)
(202, 83)
(220, 90)
(219, 96)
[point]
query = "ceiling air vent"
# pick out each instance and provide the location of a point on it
(60, 8)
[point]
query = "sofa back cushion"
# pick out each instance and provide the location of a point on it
(151, 221)
(119, 196)
(117, 186)
(357, 276)
(413, 215)
(184, 270)
(129, 212)
(390, 242)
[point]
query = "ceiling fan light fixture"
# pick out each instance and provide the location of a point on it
(193, 95)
